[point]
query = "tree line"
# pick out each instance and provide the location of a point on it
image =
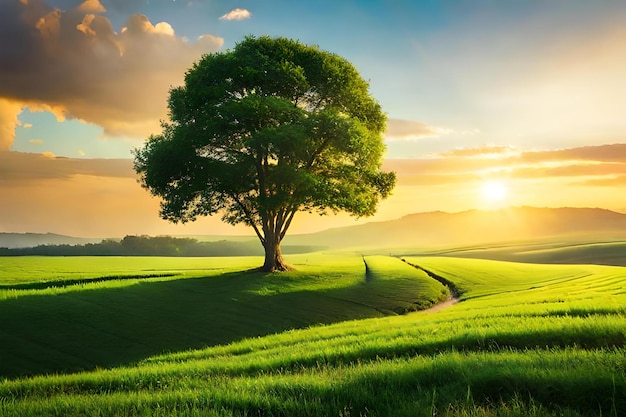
(149, 246)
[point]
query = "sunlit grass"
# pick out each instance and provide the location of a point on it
(564, 380)
(507, 288)
(93, 324)
(525, 340)
(576, 250)
(28, 269)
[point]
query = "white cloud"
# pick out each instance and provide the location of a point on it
(237, 14)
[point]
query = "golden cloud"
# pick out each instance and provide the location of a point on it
(611, 181)
(611, 152)
(18, 168)
(9, 111)
(462, 165)
(74, 63)
(485, 151)
(572, 169)
(399, 129)
(92, 6)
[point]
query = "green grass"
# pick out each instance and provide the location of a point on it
(76, 327)
(573, 379)
(525, 340)
(30, 269)
(545, 251)
(532, 289)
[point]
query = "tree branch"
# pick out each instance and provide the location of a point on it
(287, 223)
(318, 151)
(250, 218)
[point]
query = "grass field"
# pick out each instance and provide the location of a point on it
(199, 302)
(579, 250)
(49, 269)
(524, 340)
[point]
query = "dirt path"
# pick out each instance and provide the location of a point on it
(441, 306)
(454, 292)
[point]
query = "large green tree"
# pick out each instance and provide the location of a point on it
(265, 130)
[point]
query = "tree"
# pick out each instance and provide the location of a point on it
(265, 130)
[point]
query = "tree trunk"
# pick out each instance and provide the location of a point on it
(273, 257)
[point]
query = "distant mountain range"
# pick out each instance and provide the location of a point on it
(474, 226)
(28, 240)
(427, 229)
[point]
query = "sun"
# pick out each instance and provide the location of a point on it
(494, 191)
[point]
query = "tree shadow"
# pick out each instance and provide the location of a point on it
(61, 283)
(107, 327)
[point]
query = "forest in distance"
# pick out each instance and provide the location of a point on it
(439, 231)
(153, 246)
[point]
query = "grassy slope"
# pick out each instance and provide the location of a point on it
(38, 269)
(103, 324)
(546, 251)
(525, 340)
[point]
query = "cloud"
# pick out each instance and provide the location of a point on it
(615, 152)
(611, 152)
(73, 63)
(36, 141)
(237, 14)
(8, 121)
(571, 169)
(91, 6)
(398, 129)
(27, 125)
(612, 181)
(433, 171)
(485, 151)
(593, 165)
(18, 168)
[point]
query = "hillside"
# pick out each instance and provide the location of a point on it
(524, 340)
(474, 226)
(72, 314)
(418, 229)
(29, 240)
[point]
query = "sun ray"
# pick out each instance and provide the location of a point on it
(494, 191)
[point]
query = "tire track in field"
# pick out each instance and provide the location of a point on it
(62, 283)
(454, 291)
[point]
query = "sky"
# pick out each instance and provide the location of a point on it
(489, 103)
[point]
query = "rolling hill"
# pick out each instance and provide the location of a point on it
(523, 340)
(419, 229)
(474, 226)
(28, 240)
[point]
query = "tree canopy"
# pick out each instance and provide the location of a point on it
(265, 130)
